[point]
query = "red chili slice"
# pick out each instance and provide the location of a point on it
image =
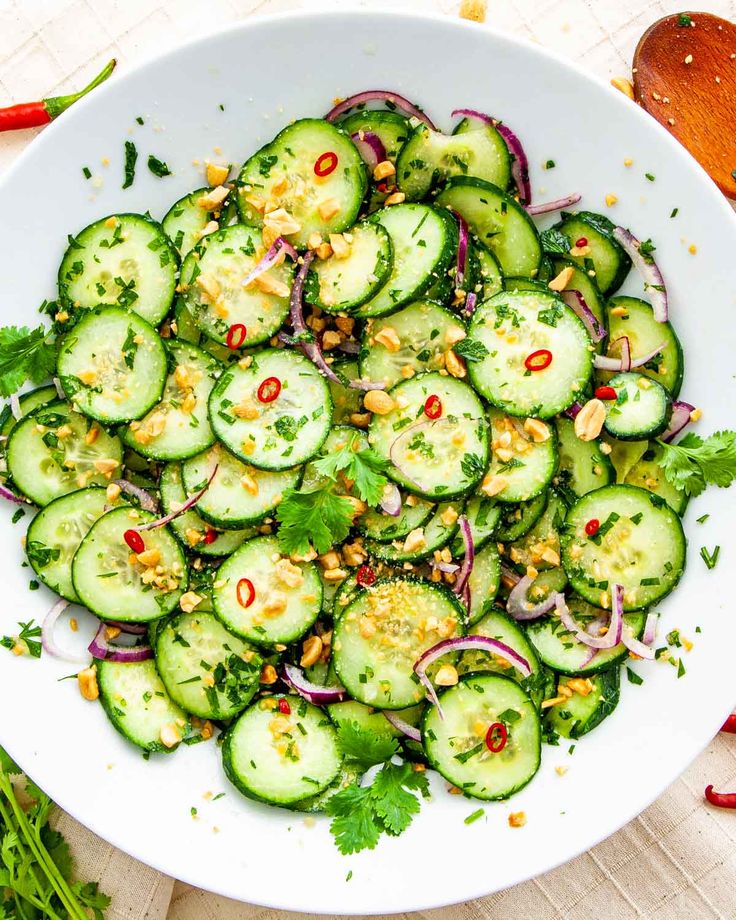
(582, 241)
(236, 335)
(210, 536)
(366, 576)
(496, 737)
(284, 707)
(269, 389)
(538, 360)
(720, 799)
(592, 527)
(605, 393)
(433, 407)
(245, 592)
(730, 724)
(134, 541)
(326, 163)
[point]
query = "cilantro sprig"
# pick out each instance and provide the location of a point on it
(25, 354)
(318, 517)
(694, 462)
(363, 466)
(28, 635)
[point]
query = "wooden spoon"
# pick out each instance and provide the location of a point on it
(685, 76)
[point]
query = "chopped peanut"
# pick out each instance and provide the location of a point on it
(389, 338)
(106, 465)
(216, 174)
(249, 483)
(149, 557)
(212, 200)
(383, 170)
(379, 402)
(561, 281)
(415, 540)
(311, 651)
(517, 819)
(589, 421)
(447, 676)
(623, 86)
(288, 573)
(494, 485)
(455, 366)
(329, 208)
(269, 674)
(87, 681)
(189, 600)
(331, 339)
(340, 246)
(395, 198)
(474, 10)
(449, 516)
(537, 429)
(170, 735)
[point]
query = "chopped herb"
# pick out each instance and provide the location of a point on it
(473, 817)
(131, 156)
(702, 519)
(633, 677)
(650, 176)
(684, 20)
(86, 172)
(158, 167)
(710, 559)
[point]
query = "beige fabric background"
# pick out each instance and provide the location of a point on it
(678, 859)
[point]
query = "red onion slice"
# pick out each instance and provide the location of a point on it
(556, 205)
(275, 255)
(469, 560)
(519, 160)
(365, 385)
(680, 419)
(650, 629)
(101, 649)
(636, 647)
(370, 147)
(520, 608)
(400, 725)
(47, 635)
(576, 302)
(615, 625)
(647, 268)
(147, 502)
(470, 302)
(625, 362)
(449, 567)
(572, 411)
(462, 248)
(391, 500)
(6, 493)
(312, 693)
(15, 408)
(305, 341)
(134, 629)
(510, 574)
(462, 644)
(192, 500)
(519, 428)
(379, 95)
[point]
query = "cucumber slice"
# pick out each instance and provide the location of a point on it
(517, 521)
(429, 158)
(582, 281)
(498, 221)
(640, 545)
(438, 458)
(641, 409)
(190, 529)
(649, 475)
(345, 400)
(55, 451)
(376, 524)
(287, 597)
(239, 494)
(633, 318)
(491, 278)
(136, 702)
(527, 465)
(113, 584)
(279, 758)
(580, 714)
(624, 455)
(41, 396)
(424, 241)
(409, 342)
(279, 434)
(435, 534)
(456, 745)
(284, 175)
(55, 534)
(184, 326)
(213, 292)
(112, 365)
(484, 515)
(484, 582)
(185, 220)
(583, 465)
(123, 260)
(369, 719)
(512, 327)
(601, 254)
(382, 632)
(392, 130)
(206, 670)
(178, 427)
(540, 547)
(344, 281)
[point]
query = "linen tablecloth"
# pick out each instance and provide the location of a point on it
(678, 859)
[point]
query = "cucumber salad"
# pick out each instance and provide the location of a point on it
(357, 465)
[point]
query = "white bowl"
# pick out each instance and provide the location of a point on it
(266, 72)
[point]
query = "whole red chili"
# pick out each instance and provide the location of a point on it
(326, 163)
(730, 724)
(720, 799)
(245, 592)
(34, 114)
(236, 335)
(581, 241)
(134, 541)
(591, 528)
(433, 407)
(284, 707)
(366, 576)
(496, 737)
(605, 393)
(210, 536)
(269, 389)
(538, 360)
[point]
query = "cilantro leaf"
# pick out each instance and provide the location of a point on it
(317, 516)
(693, 463)
(393, 804)
(24, 355)
(554, 241)
(365, 748)
(29, 635)
(364, 467)
(354, 823)
(471, 350)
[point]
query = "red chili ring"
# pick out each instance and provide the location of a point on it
(582, 241)
(433, 407)
(592, 527)
(134, 541)
(210, 536)
(366, 576)
(236, 336)
(326, 163)
(496, 744)
(605, 393)
(538, 360)
(247, 585)
(284, 707)
(269, 389)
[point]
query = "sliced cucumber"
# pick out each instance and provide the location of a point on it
(581, 281)
(641, 410)
(648, 474)
(423, 541)
(517, 521)
(345, 399)
(484, 582)
(598, 253)
(112, 365)
(483, 515)
(526, 461)
(583, 465)
(392, 130)
(376, 524)
(185, 220)
(580, 714)
(27, 402)
(123, 260)
(539, 548)
(491, 278)
(280, 433)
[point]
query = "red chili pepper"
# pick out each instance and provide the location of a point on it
(538, 360)
(496, 737)
(382, 187)
(210, 536)
(34, 114)
(245, 585)
(730, 724)
(269, 389)
(591, 528)
(236, 336)
(433, 407)
(720, 799)
(284, 707)
(582, 241)
(326, 163)
(605, 393)
(366, 576)
(134, 541)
